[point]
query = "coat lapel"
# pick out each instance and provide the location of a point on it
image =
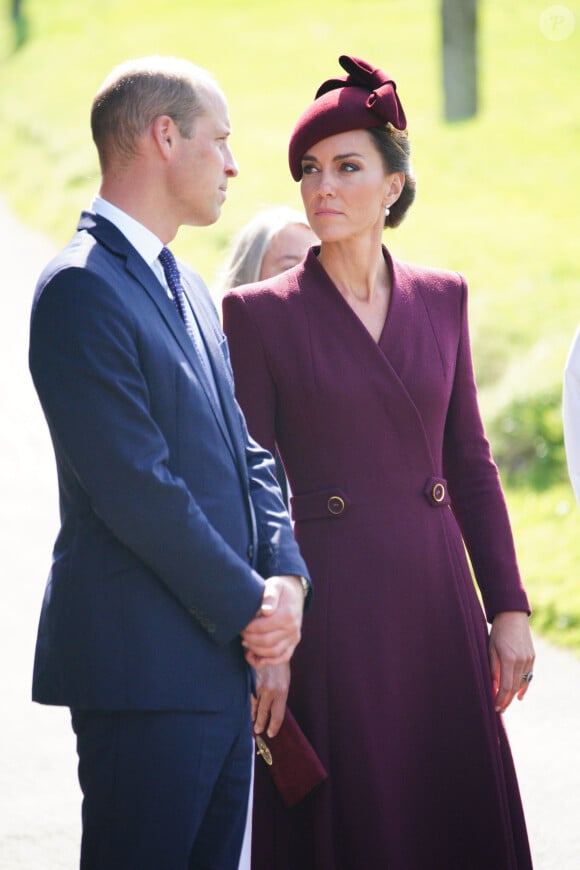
(379, 360)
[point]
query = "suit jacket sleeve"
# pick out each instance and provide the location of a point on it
(475, 489)
(87, 367)
(277, 549)
(254, 386)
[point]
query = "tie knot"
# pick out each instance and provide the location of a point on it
(170, 269)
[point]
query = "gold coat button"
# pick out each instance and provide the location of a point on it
(335, 505)
(438, 493)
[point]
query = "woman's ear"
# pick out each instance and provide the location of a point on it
(395, 185)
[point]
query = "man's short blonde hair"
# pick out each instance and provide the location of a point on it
(137, 92)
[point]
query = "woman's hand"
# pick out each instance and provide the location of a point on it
(511, 655)
(268, 709)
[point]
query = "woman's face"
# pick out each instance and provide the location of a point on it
(345, 187)
(287, 248)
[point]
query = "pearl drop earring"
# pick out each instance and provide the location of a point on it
(387, 211)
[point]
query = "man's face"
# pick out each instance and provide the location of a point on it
(202, 166)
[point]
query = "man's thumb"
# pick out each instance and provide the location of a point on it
(270, 599)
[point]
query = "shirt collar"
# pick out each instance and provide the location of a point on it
(143, 240)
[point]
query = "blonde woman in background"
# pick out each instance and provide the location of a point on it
(274, 240)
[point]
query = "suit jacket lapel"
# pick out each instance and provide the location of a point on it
(111, 237)
(216, 347)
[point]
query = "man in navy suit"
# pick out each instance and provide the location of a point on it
(175, 571)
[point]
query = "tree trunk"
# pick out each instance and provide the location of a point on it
(18, 21)
(459, 40)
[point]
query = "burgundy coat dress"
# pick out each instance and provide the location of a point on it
(391, 473)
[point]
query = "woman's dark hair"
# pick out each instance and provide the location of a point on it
(395, 149)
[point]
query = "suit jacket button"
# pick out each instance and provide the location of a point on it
(251, 553)
(335, 505)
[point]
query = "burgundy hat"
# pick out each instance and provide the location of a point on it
(364, 98)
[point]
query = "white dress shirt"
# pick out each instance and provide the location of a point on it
(143, 240)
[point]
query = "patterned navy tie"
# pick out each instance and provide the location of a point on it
(173, 279)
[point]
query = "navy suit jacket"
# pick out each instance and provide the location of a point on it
(170, 513)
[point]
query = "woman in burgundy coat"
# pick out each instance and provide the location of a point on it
(357, 368)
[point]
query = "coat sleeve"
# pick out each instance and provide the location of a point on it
(278, 551)
(85, 362)
(475, 488)
(255, 387)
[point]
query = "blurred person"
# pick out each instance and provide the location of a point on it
(273, 240)
(175, 570)
(357, 368)
(571, 413)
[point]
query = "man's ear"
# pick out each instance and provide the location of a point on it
(163, 131)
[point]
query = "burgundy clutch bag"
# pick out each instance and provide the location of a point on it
(295, 767)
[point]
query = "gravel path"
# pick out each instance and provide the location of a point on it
(39, 795)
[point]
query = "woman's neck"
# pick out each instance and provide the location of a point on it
(359, 271)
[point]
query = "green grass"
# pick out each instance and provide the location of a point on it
(546, 529)
(497, 195)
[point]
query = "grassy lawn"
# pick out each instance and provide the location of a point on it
(546, 529)
(497, 195)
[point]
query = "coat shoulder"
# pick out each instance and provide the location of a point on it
(75, 265)
(442, 292)
(279, 288)
(270, 305)
(75, 254)
(439, 293)
(427, 279)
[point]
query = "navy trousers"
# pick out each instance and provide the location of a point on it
(163, 790)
